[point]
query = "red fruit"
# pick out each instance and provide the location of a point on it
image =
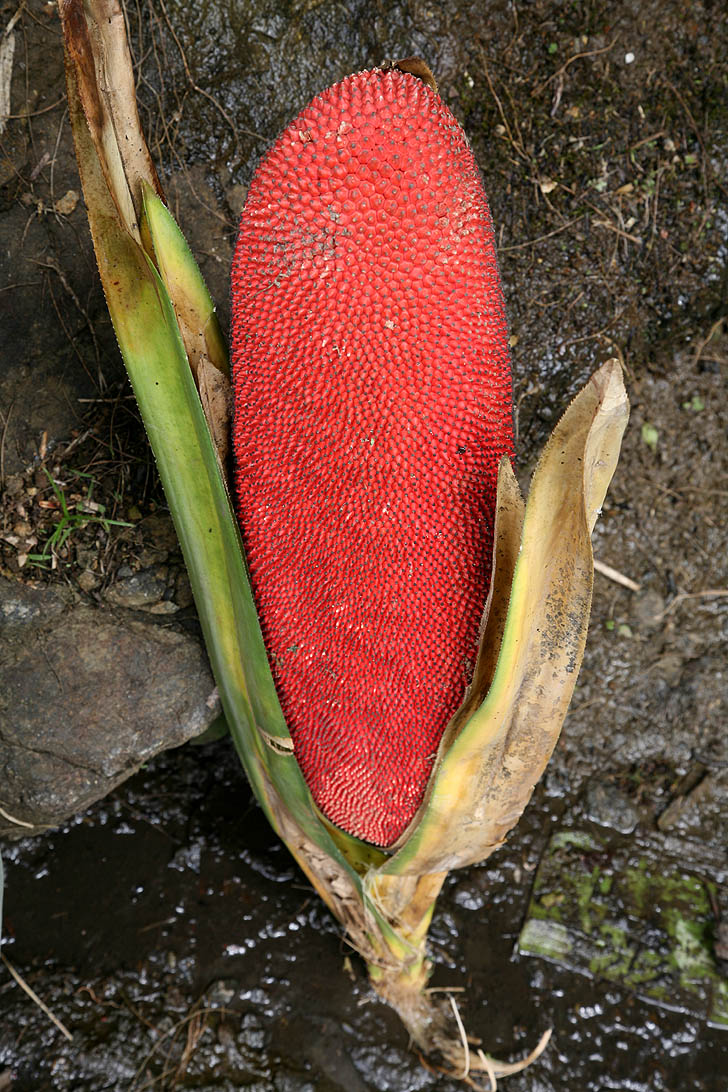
(372, 406)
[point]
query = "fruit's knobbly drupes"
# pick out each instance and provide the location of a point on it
(372, 406)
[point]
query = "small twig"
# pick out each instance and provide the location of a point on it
(514, 143)
(109, 401)
(156, 925)
(464, 1038)
(696, 130)
(53, 265)
(655, 204)
(34, 997)
(558, 92)
(52, 184)
(37, 113)
(709, 593)
(646, 140)
(599, 333)
(616, 230)
(577, 57)
(19, 822)
(615, 575)
(702, 344)
(19, 284)
(540, 238)
(80, 439)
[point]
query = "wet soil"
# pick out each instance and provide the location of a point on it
(166, 927)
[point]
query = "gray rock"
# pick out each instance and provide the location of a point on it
(635, 914)
(669, 668)
(468, 896)
(606, 805)
(144, 590)
(252, 1034)
(688, 811)
(85, 699)
(22, 605)
(647, 610)
(290, 1082)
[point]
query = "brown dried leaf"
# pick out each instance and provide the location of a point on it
(217, 398)
(509, 512)
(98, 53)
(65, 205)
(416, 67)
(486, 776)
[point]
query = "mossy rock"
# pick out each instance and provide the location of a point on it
(632, 914)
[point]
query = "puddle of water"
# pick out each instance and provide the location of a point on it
(174, 898)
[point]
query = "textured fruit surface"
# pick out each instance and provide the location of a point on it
(372, 406)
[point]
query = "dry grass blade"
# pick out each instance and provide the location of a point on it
(193, 1023)
(615, 575)
(7, 53)
(18, 822)
(34, 997)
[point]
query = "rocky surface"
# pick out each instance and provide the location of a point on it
(86, 697)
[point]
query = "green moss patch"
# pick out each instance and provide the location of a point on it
(632, 915)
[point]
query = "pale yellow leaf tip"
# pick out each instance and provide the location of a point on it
(604, 440)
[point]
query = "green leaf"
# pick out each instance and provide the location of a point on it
(196, 317)
(195, 311)
(149, 337)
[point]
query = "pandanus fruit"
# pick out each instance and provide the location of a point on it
(397, 684)
(372, 408)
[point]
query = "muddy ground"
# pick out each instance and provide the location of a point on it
(166, 927)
